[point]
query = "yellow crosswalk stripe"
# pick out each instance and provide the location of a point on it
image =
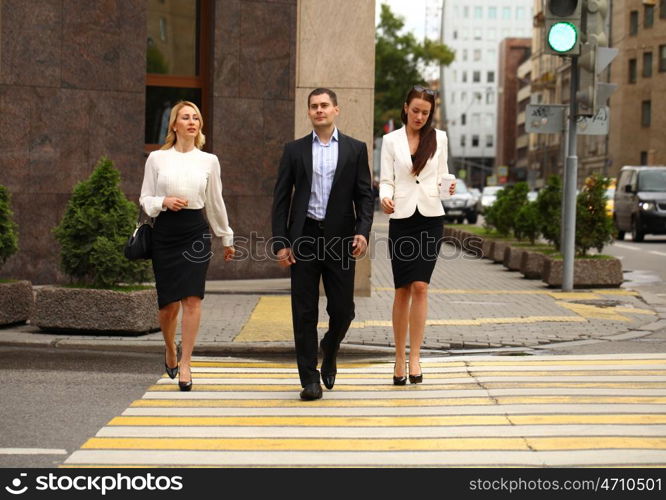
(470, 411)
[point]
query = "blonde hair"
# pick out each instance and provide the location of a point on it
(171, 138)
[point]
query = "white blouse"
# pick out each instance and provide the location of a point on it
(193, 176)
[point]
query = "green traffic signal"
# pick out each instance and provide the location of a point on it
(562, 37)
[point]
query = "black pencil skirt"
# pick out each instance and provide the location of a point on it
(181, 253)
(414, 244)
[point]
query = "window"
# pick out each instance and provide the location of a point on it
(633, 65)
(647, 64)
(476, 77)
(476, 119)
(491, 76)
(453, 97)
(475, 141)
(455, 34)
(492, 55)
(478, 12)
(644, 159)
(462, 140)
(648, 16)
(463, 97)
(633, 23)
(489, 141)
(520, 12)
(490, 98)
(477, 33)
(477, 54)
(464, 76)
(662, 9)
(489, 120)
(492, 12)
(464, 54)
(491, 34)
(176, 63)
(506, 12)
(662, 58)
(463, 119)
(646, 113)
(466, 12)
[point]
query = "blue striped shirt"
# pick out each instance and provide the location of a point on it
(324, 162)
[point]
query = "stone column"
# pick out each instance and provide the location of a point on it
(336, 49)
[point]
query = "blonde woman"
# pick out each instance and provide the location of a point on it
(183, 190)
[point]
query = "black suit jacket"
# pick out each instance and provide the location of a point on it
(350, 205)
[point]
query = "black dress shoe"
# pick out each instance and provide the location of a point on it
(329, 367)
(172, 372)
(185, 386)
(399, 380)
(311, 392)
(416, 379)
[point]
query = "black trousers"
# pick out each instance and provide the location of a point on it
(328, 260)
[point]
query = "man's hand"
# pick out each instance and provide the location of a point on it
(452, 188)
(173, 203)
(285, 257)
(229, 253)
(360, 245)
(388, 206)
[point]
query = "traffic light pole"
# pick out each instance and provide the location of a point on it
(570, 181)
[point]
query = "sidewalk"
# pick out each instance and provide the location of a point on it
(474, 305)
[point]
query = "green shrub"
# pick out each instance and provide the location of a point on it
(594, 228)
(491, 214)
(8, 228)
(527, 223)
(92, 233)
(549, 207)
(502, 214)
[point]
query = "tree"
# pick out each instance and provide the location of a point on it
(549, 205)
(8, 228)
(594, 227)
(93, 232)
(398, 57)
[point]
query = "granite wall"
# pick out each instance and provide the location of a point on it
(72, 88)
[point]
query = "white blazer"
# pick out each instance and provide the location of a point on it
(399, 184)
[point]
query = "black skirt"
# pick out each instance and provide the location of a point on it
(414, 245)
(181, 253)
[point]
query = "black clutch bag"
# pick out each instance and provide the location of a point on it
(140, 243)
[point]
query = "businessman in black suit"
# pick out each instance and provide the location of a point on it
(322, 213)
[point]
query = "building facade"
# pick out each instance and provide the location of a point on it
(638, 128)
(474, 31)
(512, 53)
(79, 80)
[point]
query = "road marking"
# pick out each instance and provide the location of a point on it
(627, 247)
(471, 411)
(655, 252)
(32, 451)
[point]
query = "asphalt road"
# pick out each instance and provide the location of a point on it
(54, 399)
(646, 260)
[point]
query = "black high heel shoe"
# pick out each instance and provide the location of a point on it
(172, 372)
(416, 379)
(399, 380)
(185, 386)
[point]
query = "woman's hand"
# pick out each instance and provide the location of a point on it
(452, 188)
(173, 203)
(387, 205)
(229, 253)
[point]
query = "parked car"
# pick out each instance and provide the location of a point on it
(640, 202)
(461, 205)
(488, 197)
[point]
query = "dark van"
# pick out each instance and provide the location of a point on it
(640, 202)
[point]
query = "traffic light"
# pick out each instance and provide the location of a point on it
(563, 27)
(594, 57)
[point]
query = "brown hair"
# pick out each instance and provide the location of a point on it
(320, 91)
(428, 138)
(171, 138)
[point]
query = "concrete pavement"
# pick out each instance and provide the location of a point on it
(475, 305)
